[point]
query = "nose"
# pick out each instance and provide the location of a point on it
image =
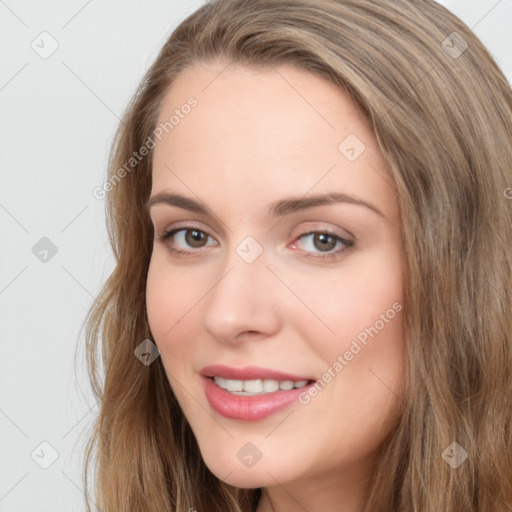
(243, 304)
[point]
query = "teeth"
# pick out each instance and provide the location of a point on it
(269, 386)
(286, 385)
(252, 386)
(257, 386)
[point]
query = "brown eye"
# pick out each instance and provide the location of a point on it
(324, 241)
(324, 244)
(195, 238)
(184, 240)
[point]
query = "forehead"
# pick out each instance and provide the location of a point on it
(260, 133)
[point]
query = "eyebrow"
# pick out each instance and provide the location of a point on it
(276, 209)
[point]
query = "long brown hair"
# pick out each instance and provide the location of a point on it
(441, 110)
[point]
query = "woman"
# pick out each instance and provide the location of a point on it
(309, 206)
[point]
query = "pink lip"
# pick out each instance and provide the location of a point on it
(248, 408)
(249, 373)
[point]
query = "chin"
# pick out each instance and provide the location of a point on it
(243, 478)
(233, 465)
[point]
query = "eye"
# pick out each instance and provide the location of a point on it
(193, 237)
(323, 241)
(326, 242)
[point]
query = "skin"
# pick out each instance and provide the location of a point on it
(257, 136)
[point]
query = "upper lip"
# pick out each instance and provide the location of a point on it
(249, 373)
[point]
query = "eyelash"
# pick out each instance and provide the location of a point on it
(166, 236)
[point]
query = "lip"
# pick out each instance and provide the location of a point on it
(249, 408)
(250, 373)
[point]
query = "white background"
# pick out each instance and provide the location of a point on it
(58, 116)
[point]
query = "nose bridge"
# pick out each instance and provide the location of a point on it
(240, 300)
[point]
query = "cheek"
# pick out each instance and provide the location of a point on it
(364, 358)
(169, 299)
(170, 309)
(161, 298)
(362, 303)
(173, 302)
(372, 367)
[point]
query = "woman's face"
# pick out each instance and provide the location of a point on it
(277, 286)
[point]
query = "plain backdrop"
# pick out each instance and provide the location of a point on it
(58, 114)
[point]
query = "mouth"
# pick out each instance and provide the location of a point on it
(257, 387)
(251, 393)
(251, 373)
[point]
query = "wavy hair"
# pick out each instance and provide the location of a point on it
(441, 110)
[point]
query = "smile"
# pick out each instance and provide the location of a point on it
(257, 386)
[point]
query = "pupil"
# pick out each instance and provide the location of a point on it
(196, 236)
(324, 239)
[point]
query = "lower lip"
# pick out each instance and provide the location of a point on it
(248, 408)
